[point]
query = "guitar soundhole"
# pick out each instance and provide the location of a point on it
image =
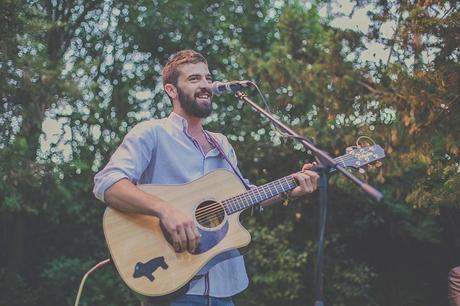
(210, 214)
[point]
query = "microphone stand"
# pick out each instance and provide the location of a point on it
(325, 164)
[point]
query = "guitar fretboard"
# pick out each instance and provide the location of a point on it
(267, 191)
(259, 194)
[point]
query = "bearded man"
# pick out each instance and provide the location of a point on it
(177, 150)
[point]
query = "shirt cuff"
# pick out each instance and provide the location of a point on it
(104, 183)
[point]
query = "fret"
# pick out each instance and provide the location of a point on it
(265, 193)
(286, 182)
(234, 204)
(251, 197)
(241, 204)
(276, 188)
(271, 194)
(278, 182)
(238, 203)
(228, 206)
(259, 197)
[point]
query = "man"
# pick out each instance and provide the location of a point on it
(177, 150)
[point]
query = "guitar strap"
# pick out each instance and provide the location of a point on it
(221, 151)
(255, 208)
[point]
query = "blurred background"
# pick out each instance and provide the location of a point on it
(76, 75)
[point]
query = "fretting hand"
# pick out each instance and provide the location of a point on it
(307, 180)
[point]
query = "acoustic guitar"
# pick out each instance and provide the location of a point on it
(142, 250)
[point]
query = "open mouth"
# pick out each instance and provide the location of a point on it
(203, 96)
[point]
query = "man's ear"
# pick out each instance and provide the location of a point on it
(171, 91)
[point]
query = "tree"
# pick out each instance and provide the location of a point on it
(93, 68)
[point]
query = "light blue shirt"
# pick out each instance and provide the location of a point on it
(161, 151)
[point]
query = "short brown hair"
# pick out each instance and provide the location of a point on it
(171, 69)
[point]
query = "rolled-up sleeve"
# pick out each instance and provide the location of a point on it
(129, 160)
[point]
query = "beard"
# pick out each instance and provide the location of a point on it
(192, 107)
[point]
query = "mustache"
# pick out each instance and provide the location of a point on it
(203, 90)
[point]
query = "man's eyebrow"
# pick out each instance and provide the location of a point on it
(193, 75)
(208, 75)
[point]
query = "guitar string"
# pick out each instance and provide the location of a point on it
(254, 194)
(210, 218)
(228, 205)
(219, 209)
(261, 191)
(210, 209)
(216, 207)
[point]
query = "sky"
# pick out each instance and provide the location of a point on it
(360, 22)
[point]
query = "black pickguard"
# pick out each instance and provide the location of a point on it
(147, 269)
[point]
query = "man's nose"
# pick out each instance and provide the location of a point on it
(204, 83)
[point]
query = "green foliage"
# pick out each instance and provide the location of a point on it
(351, 282)
(280, 278)
(93, 69)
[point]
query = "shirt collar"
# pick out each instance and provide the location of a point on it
(181, 123)
(178, 121)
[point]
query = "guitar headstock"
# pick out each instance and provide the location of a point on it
(358, 156)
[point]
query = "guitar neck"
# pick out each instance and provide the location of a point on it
(259, 194)
(269, 190)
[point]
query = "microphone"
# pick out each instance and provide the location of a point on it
(219, 88)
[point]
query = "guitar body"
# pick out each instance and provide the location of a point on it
(141, 252)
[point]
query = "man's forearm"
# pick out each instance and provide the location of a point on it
(126, 197)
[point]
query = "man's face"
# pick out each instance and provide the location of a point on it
(194, 89)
